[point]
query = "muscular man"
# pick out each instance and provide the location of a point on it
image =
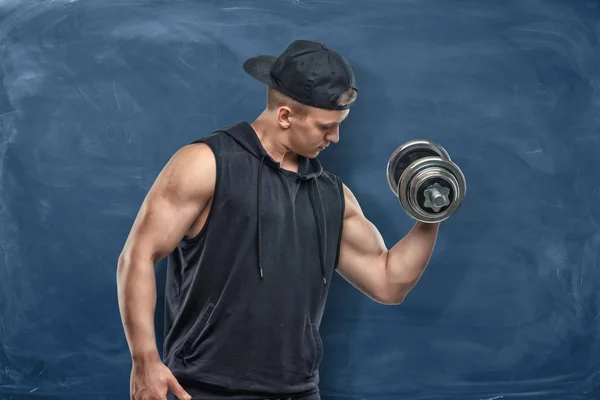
(253, 229)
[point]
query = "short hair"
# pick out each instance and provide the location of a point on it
(347, 98)
(277, 99)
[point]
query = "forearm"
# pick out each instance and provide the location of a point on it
(137, 303)
(406, 260)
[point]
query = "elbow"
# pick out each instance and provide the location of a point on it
(124, 265)
(392, 300)
(121, 266)
(132, 261)
(396, 301)
(394, 294)
(390, 296)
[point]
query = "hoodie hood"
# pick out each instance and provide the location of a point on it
(244, 134)
(309, 170)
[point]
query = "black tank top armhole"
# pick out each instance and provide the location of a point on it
(190, 241)
(343, 208)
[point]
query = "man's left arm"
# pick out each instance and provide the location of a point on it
(386, 276)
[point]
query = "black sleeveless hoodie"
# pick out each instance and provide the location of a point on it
(244, 299)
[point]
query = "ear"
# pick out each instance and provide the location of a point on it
(283, 116)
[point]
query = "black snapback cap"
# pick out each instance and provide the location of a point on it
(308, 72)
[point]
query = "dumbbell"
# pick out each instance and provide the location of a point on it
(428, 184)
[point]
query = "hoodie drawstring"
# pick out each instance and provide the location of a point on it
(259, 213)
(314, 191)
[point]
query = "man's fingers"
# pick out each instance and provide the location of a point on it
(177, 389)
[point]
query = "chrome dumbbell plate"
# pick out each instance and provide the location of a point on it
(428, 184)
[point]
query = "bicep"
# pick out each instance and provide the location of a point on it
(362, 252)
(177, 197)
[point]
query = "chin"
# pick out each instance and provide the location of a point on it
(308, 153)
(313, 154)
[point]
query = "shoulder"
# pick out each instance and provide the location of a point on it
(333, 183)
(347, 196)
(190, 171)
(197, 154)
(349, 202)
(351, 205)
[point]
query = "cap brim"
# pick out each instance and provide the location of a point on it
(259, 68)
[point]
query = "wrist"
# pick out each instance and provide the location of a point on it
(145, 357)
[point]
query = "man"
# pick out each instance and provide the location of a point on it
(253, 229)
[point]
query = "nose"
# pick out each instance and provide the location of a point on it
(333, 135)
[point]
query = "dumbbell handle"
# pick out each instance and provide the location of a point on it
(436, 197)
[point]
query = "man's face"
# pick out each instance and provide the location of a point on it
(312, 134)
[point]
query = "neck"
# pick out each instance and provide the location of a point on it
(274, 140)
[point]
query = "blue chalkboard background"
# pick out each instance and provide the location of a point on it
(96, 95)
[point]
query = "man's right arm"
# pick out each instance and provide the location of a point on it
(178, 196)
